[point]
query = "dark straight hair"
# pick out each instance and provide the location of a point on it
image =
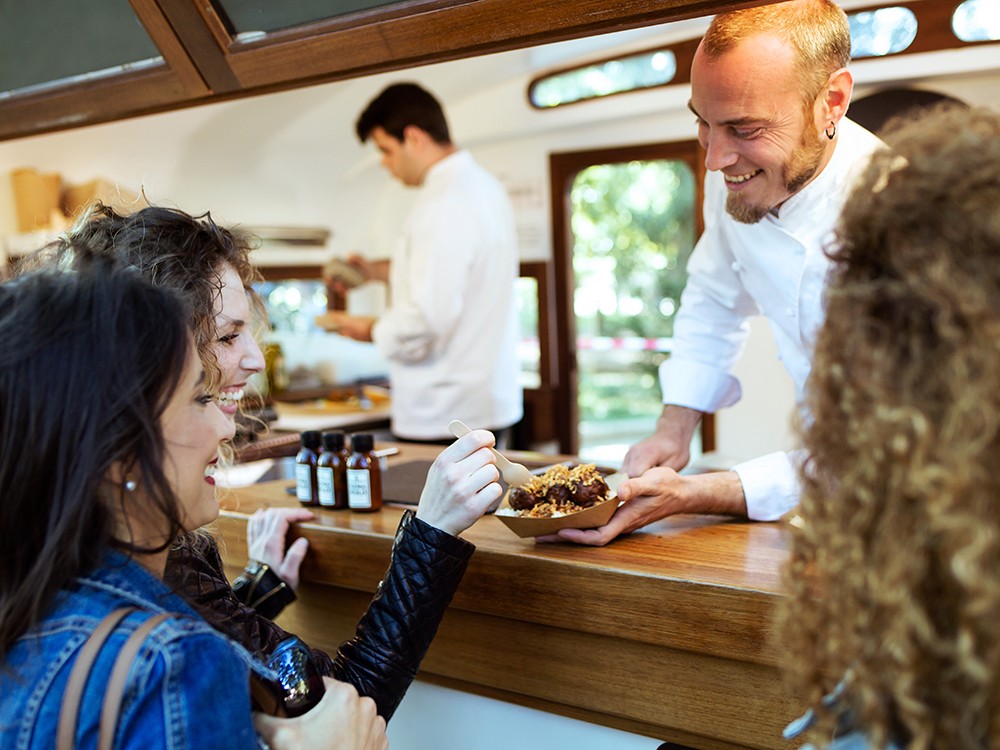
(89, 361)
(403, 104)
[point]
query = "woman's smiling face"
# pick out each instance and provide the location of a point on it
(235, 349)
(193, 426)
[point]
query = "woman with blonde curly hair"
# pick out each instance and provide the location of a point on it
(894, 576)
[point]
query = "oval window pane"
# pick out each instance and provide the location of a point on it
(630, 73)
(885, 31)
(977, 21)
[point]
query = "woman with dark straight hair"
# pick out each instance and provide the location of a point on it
(209, 267)
(103, 468)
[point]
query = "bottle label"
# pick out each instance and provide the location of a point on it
(324, 485)
(359, 489)
(303, 483)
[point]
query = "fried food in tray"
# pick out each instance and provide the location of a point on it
(560, 491)
(555, 500)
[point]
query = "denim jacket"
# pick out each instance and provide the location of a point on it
(188, 687)
(846, 735)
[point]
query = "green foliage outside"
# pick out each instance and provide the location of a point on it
(633, 225)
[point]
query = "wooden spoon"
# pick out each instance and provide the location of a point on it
(513, 474)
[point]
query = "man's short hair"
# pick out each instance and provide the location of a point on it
(817, 30)
(403, 104)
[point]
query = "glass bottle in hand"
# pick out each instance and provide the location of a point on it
(364, 475)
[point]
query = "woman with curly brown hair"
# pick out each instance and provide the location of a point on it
(894, 576)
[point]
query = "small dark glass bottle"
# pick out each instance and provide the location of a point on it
(331, 471)
(364, 475)
(305, 468)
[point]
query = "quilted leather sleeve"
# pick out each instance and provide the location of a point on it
(395, 632)
(393, 635)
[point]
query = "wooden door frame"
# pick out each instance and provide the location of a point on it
(563, 168)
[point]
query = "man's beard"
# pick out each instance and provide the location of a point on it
(796, 172)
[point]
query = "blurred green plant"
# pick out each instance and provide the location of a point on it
(634, 229)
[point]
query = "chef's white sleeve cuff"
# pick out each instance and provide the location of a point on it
(697, 386)
(770, 485)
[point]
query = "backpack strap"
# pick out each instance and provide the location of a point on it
(70, 708)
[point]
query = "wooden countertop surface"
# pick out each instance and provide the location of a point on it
(666, 632)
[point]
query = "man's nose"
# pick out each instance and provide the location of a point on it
(719, 151)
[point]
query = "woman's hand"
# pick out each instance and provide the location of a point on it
(342, 720)
(266, 536)
(461, 484)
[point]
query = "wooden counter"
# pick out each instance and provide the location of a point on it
(299, 417)
(665, 633)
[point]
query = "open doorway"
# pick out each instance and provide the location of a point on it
(625, 221)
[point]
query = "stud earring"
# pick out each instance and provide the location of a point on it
(130, 485)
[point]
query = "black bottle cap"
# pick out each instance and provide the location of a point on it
(333, 441)
(310, 439)
(362, 442)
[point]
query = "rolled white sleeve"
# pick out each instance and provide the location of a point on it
(770, 484)
(697, 386)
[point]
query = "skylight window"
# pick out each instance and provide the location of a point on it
(885, 31)
(641, 71)
(977, 21)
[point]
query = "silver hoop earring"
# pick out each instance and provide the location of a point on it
(130, 485)
(831, 131)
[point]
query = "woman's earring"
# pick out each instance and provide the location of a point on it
(831, 131)
(130, 485)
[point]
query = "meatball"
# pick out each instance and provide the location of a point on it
(521, 499)
(558, 494)
(587, 494)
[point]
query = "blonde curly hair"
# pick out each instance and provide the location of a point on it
(894, 573)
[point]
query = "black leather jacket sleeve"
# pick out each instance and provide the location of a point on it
(391, 639)
(395, 632)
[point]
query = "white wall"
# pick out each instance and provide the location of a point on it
(443, 719)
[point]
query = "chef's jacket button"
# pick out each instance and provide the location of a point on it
(736, 266)
(790, 312)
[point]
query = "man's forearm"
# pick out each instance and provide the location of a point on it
(717, 492)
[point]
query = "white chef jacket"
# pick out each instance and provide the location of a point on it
(776, 267)
(450, 333)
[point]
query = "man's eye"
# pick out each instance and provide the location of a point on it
(745, 133)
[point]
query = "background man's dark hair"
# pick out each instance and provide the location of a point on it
(403, 104)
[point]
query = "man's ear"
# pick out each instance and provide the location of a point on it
(414, 136)
(835, 99)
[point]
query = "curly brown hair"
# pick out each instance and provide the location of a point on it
(894, 573)
(172, 249)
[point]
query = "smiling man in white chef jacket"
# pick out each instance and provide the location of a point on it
(450, 333)
(769, 91)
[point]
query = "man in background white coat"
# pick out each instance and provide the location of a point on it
(450, 331)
